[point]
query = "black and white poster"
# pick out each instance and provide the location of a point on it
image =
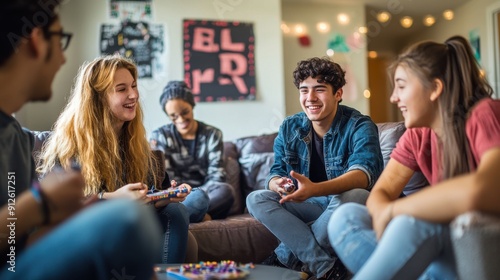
(140, 41)
(134, 10)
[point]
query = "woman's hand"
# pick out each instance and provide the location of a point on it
(135, 191)
(181, 196)
(385, 193)
(382, 219)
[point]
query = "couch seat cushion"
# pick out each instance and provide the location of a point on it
(240, 238)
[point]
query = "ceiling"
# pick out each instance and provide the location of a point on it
(392, 30)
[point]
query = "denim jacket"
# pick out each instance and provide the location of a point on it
(207, 163)
(351, 143)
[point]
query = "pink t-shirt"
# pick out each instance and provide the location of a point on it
(417, 148)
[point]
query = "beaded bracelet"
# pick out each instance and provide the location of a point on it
(40, 197)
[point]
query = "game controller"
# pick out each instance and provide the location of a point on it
(287, 185)
(165, 194)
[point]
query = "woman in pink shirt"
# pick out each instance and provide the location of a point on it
(453, 138)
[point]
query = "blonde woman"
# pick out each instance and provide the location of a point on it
(101, 129)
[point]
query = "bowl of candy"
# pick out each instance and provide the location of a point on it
(210, 270)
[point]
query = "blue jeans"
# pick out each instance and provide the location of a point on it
(197, 203)
(174, 219)
(301, 227)
(111, 239)
(409, 248)
(220, 198)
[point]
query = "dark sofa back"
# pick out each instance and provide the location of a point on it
(249, 159)
(256, 156)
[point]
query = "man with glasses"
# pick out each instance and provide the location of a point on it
(48, 230)
(193, 155)
(65, 38)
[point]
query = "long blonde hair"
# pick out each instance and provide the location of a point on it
(84, 133)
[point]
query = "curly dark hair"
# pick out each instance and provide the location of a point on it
(325, 70)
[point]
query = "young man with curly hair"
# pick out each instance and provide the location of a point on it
(332, 154)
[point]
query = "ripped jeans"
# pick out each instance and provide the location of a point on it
(409, 248)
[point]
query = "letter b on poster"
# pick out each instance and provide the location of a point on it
(219, 62)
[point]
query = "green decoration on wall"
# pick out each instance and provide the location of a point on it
(337, 43)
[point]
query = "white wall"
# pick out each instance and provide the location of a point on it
(309, 15)
(235, 119)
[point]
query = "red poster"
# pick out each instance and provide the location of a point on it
(219, 61)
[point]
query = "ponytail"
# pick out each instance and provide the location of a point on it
(463, 86)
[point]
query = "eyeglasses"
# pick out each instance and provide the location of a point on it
(65, 38)
(183, 114)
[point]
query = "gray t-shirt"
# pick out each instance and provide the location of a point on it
(17, 169)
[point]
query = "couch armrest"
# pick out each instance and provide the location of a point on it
(476, 243)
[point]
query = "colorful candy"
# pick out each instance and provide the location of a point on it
(212, 270)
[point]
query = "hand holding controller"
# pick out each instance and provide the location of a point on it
(166, 194)
(287, 185)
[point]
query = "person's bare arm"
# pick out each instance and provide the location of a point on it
(386, 190)
(135, 191)
(63, 193)
(441, 203)
(20, 218)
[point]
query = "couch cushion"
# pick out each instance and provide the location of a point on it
(240, 238)
(256, 157)
(255, 144)
(232, 168)
(230, 150)
(389, 134)
(255, 168)
(233, 178)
